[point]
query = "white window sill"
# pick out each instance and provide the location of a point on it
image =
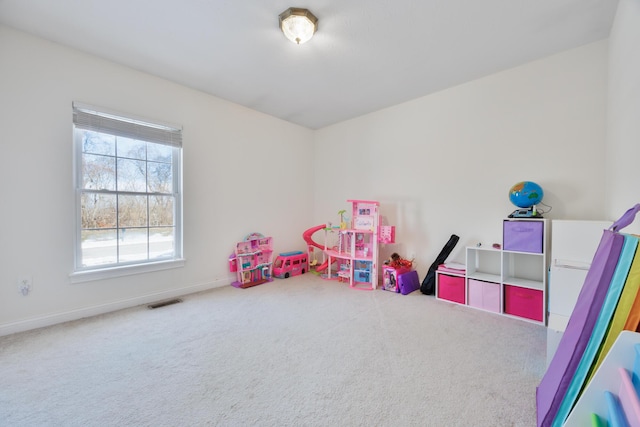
(128, 270)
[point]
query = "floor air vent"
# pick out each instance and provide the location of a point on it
(164, 303)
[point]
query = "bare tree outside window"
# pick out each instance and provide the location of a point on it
(128, 196)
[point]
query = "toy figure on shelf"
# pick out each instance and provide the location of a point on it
(396, 261)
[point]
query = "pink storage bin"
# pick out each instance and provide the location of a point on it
(391, 278)
(451, 288)
(523, 302)
(484, 295)
(522, 236)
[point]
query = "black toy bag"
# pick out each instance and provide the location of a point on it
(429, 283)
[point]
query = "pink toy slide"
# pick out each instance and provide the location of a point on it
(307, 238)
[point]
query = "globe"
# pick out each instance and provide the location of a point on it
(526, 194)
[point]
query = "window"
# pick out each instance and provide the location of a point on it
(128, 190)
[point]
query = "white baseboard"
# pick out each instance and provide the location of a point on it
(66, 316)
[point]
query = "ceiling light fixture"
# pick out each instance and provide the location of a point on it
(298, 25)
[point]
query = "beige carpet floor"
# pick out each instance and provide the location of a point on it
(296, 352)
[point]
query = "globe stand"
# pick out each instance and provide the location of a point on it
(525, 213)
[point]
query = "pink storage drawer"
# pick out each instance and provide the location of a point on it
(484, 295)
(523, 302)
(522, 236)
(451, 288)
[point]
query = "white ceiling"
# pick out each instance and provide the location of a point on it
(366, 55)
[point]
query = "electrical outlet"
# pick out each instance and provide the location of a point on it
(24, 285)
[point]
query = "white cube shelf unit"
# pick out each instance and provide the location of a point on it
(512, 280)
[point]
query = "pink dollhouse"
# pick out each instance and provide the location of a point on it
(252, 261)
(355, 258)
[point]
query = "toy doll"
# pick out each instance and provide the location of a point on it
(396, 261)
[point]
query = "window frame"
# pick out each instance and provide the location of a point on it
(132, 123)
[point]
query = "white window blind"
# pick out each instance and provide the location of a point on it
(91, 118)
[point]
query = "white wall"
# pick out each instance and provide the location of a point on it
(623, 139)
(443, 164)
(239, 168)
(439, 165)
